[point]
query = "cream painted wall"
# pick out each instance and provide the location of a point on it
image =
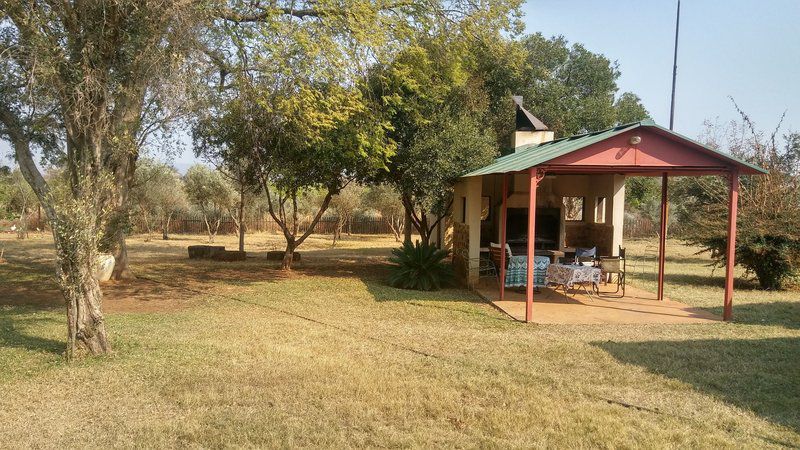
(524, 138)
(550, 193)
(467, 209)
(617, 208)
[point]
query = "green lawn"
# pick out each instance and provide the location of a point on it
(241, 354)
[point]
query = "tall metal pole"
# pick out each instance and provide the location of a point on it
(674, 68)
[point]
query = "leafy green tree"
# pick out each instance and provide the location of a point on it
(437, 108)
(768, 236)
(211, 194)
(643, 196)
(87, 78)
(345, 204)
(568, 87)
(158, 195)
(385, 199)
(572, 89)
(629, 108)
(75, 79)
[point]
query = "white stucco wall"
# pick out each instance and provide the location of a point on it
(523, 138)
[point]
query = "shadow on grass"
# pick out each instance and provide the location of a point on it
(12, 336)
(759, 375)
(786, 314)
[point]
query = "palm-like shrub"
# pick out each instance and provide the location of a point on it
(419, 266)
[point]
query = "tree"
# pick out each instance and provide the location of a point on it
(643, 196)
(5, 191)
(345, 204)
(768, 236)
(158, 195)
(212, 139)
(346, 145)
(437, 109)
(80, 83)
(74, 79)
(245, 188)
(629, 109)
(572, 89)
(21, 201)
(568, 87)
(386, 200)
(211, 193)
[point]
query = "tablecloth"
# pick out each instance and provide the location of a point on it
(570, 274)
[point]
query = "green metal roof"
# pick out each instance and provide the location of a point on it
(537, 154)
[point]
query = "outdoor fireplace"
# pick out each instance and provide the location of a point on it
(548, 226)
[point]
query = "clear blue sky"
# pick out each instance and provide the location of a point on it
(746, 49)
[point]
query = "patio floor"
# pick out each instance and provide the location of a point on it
(551, 307)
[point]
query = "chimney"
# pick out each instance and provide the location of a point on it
(528, 130)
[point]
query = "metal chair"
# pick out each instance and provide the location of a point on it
(583, 255)
(614, 267)
(486, 268)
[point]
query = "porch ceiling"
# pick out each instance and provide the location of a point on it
(604, 151)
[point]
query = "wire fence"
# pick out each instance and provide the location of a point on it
(326, 225)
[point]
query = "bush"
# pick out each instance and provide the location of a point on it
(768, 241)
(419, 266)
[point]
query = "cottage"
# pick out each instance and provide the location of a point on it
(549, 197)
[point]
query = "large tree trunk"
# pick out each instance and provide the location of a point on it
(122, 269)
(116, 229)
(165, 227)
(241, 218)
(288, 255)
(75, 251)
(86, 332)
(407, 227)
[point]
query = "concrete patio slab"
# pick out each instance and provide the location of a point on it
(637, 307)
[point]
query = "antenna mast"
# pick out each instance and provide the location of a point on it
(674, 68)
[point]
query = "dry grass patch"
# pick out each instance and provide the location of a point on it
(331, 356)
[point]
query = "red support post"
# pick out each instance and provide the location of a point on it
(733, 207)
(503, 217)
(662, 238)
(534, 183)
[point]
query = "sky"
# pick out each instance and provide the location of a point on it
(745, 49)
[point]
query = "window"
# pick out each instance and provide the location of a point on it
(573, 209)
(600, 210)
(463, 209)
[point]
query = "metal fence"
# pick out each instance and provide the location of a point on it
(326, 225)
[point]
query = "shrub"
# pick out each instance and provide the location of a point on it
(419, 266)
(768, 242)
